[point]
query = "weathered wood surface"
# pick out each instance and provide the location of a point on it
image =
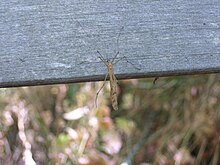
(46, 42)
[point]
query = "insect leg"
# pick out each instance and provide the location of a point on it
(117, 42)
(125, 58)
(102, 58)
(100, 89)
(115, 56)
(119, 37)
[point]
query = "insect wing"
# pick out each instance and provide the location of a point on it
(113, 93)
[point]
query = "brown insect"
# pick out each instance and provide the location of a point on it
(112, 78)
(113, 81)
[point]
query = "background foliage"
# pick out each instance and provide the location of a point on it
(175, 121)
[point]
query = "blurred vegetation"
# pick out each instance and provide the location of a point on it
(175, 121)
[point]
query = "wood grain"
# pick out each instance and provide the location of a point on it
(47, 42)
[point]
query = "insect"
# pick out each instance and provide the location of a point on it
(113, 81)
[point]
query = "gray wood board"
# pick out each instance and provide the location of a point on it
(47, 42)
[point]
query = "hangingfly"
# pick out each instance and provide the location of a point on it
(112, 79)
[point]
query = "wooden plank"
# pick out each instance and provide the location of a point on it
(46, 42)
